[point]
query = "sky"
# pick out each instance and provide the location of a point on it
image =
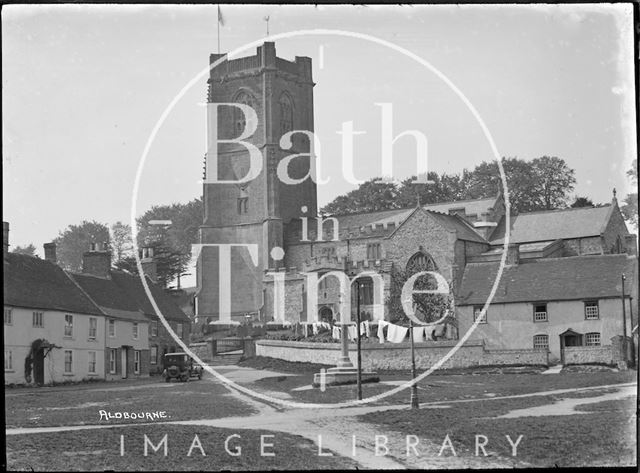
(85, 85)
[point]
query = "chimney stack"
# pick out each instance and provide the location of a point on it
(149, 264)
(50, 252)
(513, 254)
(97, 261)
(5, 237)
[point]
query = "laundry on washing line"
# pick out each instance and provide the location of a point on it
(418, 334)
(381, 325)
(396, 333)
(335, 333)
(353, 334)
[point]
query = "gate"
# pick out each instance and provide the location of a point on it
(227, 345)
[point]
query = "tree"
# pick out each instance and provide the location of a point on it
(171, 243)
(554, 181)
(29, 250)
(368, 197)
(630, 203)
(582, 202)
(121, 243)
(444, 188)
(428, 307)
(76, 239)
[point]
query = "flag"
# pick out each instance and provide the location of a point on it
(220, 17)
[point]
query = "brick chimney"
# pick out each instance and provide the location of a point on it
(50, 252)
(5, 237)
(513, 254)
(149, 264)
(97, 261)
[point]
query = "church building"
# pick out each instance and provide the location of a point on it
(566, 263)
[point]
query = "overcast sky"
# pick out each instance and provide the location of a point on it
(83, 86)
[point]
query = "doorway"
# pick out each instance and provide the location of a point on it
(569, 338)
(38, 366)
(125, 360)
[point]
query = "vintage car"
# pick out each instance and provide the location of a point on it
(180, 366)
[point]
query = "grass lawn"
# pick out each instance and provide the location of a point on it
(69, 406)
(605, 436)
(436, 387)
(99, 450)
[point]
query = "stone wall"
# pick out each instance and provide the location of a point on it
(203, 350)
(398, 356)
(585, 355)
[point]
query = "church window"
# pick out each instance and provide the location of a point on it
(243, 205)
(286, 114)
(374, 251)
(421, 262)
(239, 118)
(365, 289)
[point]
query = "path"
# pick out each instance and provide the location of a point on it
(334, 428)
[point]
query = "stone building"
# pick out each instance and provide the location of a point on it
(463, 241)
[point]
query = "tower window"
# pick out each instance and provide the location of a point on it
(239, 118)
(286, 114)
(243, 205)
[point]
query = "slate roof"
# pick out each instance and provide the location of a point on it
(546, 279)
(39, 284)
(123, 295)
(384, 223)
(553, 225)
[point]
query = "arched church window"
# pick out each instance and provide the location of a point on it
(286, 114)
(239, 117)
(421, 262)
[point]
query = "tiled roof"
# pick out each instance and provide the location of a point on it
(124, 296)
(383, 223)
(35, 283)
(553, 225)
(577, 277)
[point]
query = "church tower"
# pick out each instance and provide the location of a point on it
(255, 212)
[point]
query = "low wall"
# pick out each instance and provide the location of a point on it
(202, 350)
(584, 355)
(394, 356)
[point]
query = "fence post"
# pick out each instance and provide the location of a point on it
(214, 347)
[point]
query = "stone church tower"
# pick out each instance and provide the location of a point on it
(255, 212)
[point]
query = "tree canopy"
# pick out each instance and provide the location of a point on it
(540, 184)
(629, 207)
(76, 239)
(29, 250)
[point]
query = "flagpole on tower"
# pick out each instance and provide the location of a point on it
(220, 22)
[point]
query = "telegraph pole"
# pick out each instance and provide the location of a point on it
(415, 404)
(359, 375)
(624, 324)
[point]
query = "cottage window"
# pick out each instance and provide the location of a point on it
(591, 310)
(541, 341)
(153, 355)
(136, 362)
(93, 328)
(68, 361)
(112, 328)
(8, 360)
(154, 328)
(92, 362)
(135, 331)
(68, 325)
(112, 360)
(477, 314)
(8, 317)
(540, 313)
(179, 330)
(592, 339)
(38, 319)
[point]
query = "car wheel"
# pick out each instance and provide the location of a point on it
(184, 378)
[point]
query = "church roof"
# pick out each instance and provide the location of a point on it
(383, 223)
(552, 225)
(39, 284)
(548, 279)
